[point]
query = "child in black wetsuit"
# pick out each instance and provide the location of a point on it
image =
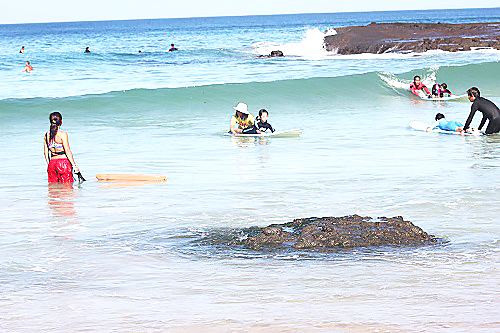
(262, 125)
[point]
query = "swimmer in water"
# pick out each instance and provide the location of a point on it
(27, 68)
(417, 85)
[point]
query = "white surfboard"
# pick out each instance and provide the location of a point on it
(446, 98)
(420, 126)
(129, 177)
(277, 134)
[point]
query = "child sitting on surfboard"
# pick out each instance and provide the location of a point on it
(445, 125)
(262, 125)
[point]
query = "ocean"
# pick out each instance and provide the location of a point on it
(104, 257)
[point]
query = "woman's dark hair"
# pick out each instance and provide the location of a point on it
(261, 111)
(439, 116)
(55, 119)
(474, 92)
(444, 85)
(415, 77)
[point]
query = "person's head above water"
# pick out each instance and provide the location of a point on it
(416, 78)
(263, 115)
(241, 109)
(439, 116)
(444, 85)
(473, 93)
(172, 45)
(55, 119)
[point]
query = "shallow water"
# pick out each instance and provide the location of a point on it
(111, 257)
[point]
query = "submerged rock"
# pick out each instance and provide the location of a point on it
(273, 54)
(332, 232)
(413, 37)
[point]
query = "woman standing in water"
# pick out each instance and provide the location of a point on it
(57, 152)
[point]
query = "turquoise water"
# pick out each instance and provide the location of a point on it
(101, 257)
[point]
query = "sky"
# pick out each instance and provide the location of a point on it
(37, 11)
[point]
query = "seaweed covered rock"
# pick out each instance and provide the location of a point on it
(413, 37)
(347, 231)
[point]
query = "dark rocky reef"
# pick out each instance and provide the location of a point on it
(413, 37)
(273, 54)
(338, 232)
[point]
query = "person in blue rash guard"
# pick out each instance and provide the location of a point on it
(445, 125)
(489, 110)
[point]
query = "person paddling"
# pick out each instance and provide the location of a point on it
(417, 86)
(60, 161)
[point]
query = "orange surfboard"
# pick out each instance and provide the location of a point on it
(129, 177)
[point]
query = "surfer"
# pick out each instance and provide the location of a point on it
(27, 68)
(438, 90)
(87, 49)
(172, 48)
(489, 110)
(22, 49)
(262, 124)
(242, 122)
(417, 85)
(60, 161)
(445, 125)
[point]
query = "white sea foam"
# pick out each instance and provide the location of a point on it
(310, 46)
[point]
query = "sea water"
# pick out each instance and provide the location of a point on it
(116, 257)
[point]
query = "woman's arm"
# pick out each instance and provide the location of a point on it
(46, 149)
(67, 150)
(233, 125)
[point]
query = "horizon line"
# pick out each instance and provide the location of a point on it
(250, 15)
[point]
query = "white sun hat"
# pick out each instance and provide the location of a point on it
(241, 107)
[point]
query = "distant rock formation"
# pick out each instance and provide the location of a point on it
(413, 37)
(276, 53)
(334, 232)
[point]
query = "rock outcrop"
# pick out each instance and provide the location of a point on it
(338, 232)
(413, 37)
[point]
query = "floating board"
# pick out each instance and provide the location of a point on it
(448, 98)
(276, 134)
(129, 177)
(419, 126)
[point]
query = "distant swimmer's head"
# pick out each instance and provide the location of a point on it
(473, 93)
(172, 45)
(242, 108)
(439, 116)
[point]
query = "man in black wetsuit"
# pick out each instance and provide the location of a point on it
(488, 108)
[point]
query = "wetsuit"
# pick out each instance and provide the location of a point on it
(263, 127)
(490, 111)
(438, 91)
(421, 86)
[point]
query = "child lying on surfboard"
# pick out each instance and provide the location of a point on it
(445, 125)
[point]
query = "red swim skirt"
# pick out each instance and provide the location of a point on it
(60, 170)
